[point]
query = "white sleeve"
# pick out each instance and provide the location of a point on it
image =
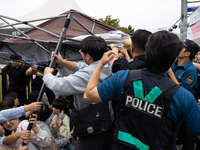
(41, 139)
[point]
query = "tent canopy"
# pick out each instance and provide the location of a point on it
(49, 37)
(55, 26)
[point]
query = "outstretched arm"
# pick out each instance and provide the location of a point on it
(91, 94)
(67, 64)
(9, 140)
(33, 70)
(9, 114)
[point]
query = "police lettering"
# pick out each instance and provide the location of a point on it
(143, 106)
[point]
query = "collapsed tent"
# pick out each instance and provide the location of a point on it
(38, 43)
(48, 9)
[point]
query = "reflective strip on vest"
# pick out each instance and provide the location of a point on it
(150, 97)
(128, 138)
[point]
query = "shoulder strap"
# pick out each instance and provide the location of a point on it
(163, 86)
(135, 74)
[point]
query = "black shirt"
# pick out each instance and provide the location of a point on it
(132, 64)
(17, 77)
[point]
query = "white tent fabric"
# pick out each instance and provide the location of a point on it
(49, 9)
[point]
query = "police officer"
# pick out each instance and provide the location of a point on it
(185, 74)
(151, 103)
(183, 69)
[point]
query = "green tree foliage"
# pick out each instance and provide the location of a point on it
(115, 23)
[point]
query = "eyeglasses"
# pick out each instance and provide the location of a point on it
(80, 51)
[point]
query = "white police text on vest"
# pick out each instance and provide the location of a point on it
(144, 106)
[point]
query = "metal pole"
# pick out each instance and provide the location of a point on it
(183, 27)
(28, 24)
(193, 2)
(26, 35)
(82, 26)
(25, 22)
(57, 50)
(24, 38)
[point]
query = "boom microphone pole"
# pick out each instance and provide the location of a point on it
(57, 50)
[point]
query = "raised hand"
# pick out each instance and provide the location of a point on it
(107, 56)
(48, 70)
(33, 106)
(33, 120)
(126, 42)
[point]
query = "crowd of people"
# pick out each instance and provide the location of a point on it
(144, 95)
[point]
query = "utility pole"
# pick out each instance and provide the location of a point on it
(183, 27)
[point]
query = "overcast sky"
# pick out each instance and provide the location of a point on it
(145, 14)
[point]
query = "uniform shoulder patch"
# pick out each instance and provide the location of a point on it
(189, 80)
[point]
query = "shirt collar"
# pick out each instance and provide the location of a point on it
(140, 57)
(184, 66)
(187, 64)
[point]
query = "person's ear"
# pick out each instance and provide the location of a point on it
(187, 53)
(87, 56)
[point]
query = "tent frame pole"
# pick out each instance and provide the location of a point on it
(83, 26)
(57, 50)
(26, 36)
(28, 24)
(25, 22)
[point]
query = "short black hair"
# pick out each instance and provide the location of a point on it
(59, 103)
(15, 57)
(162, 48)
(139, 39)
(43, 113)
(94, 46)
